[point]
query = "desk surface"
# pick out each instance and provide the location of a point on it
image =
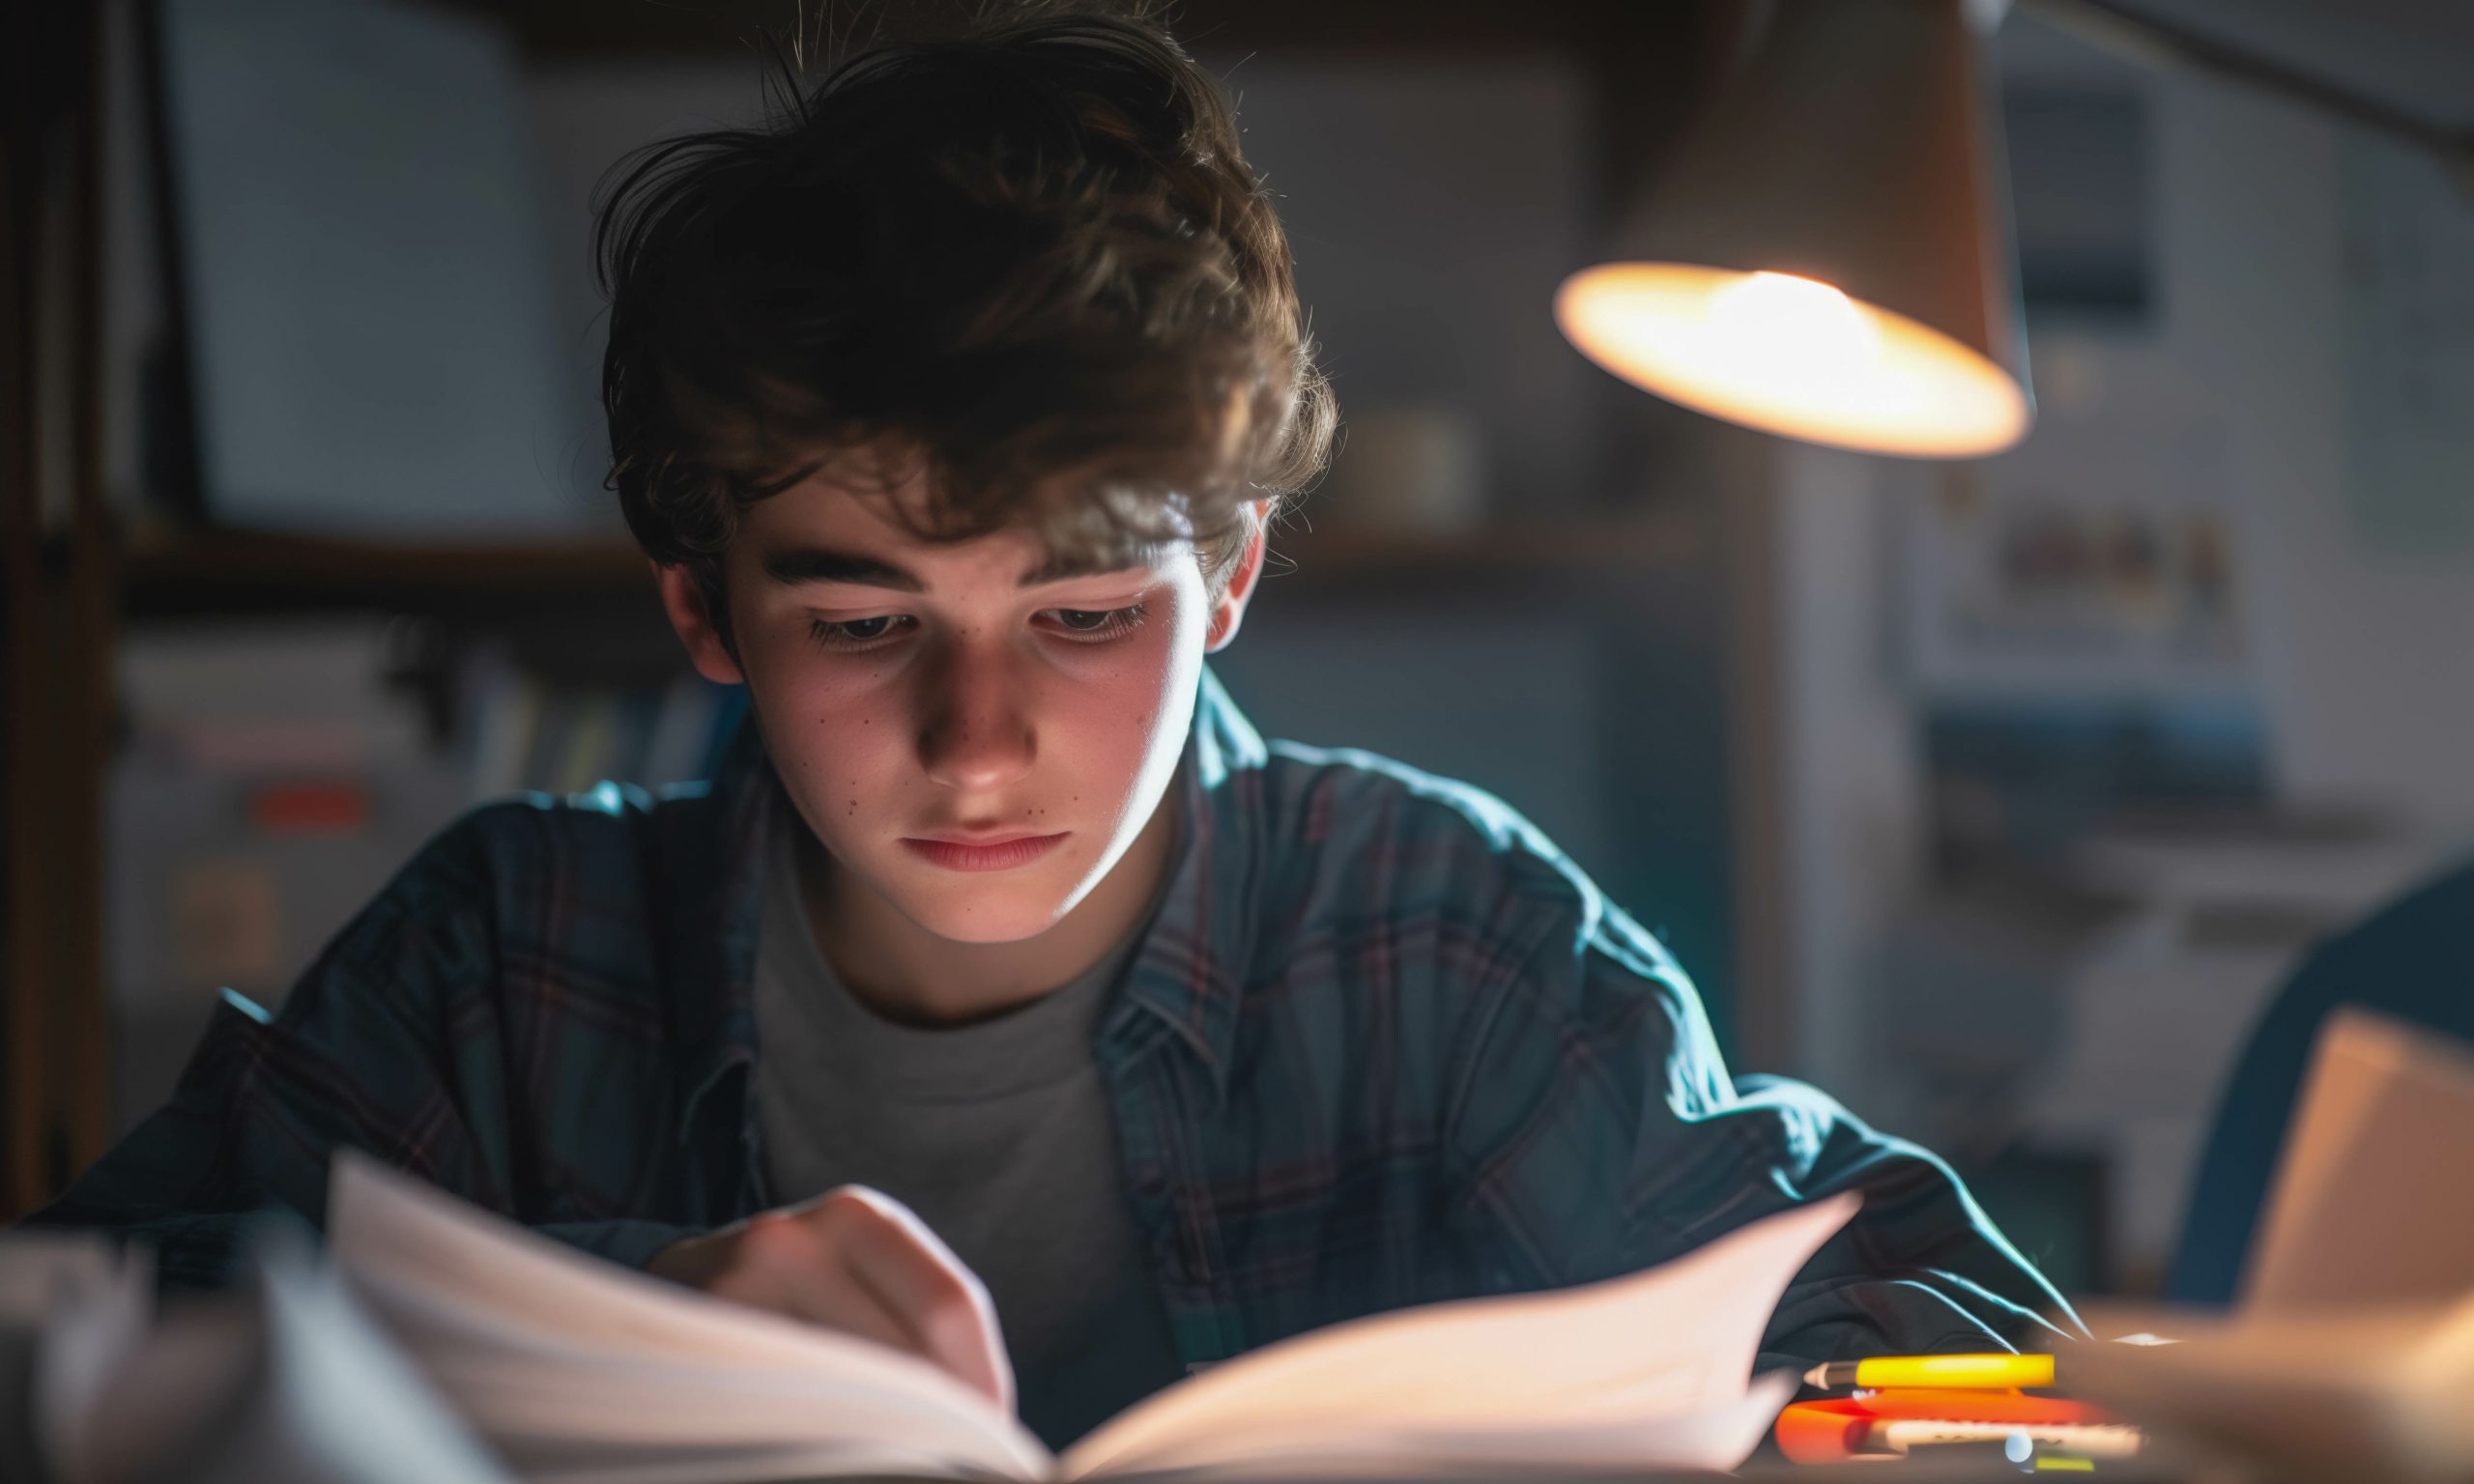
(1978, 1469)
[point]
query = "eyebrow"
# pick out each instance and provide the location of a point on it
(824, 564)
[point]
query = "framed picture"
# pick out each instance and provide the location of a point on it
(2081, 569)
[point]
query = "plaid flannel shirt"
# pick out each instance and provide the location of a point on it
(1382, 1044)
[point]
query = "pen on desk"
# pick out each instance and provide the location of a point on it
(1993, 1372)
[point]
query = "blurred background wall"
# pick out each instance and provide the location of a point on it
(2046, 846)
(1994, 797)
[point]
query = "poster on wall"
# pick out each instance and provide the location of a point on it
(2083, 569)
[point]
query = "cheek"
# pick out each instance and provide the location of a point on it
(828, 723)
(1119, 709)
(1132, 726)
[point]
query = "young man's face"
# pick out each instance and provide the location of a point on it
(912, 696)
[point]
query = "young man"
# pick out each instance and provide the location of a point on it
(1006, 997)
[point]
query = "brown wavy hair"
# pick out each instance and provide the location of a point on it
(1028, 252)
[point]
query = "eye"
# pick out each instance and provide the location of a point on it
(853, 633)
(1088, 625)
(1083, 626)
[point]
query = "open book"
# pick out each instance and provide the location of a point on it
(575, 1369)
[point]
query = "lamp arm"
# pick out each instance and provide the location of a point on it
(2158, 42)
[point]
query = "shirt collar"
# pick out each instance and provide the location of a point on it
(715, 878)
(1180, 975)
(1188, 971)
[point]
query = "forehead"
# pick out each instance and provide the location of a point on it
(824, 529)
(881, 518)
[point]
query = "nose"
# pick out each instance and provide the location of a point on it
(975, 733)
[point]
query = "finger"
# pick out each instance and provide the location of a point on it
(785, 1266)
(890, 1251)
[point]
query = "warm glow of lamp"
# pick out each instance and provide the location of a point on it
(1827, 254)
(1790, 356)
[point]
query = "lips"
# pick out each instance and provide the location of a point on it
(994, 853)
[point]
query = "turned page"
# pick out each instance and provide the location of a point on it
(576, 1368)
(2358, 1213)
(1650, 1369)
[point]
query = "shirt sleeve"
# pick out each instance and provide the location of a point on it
(388, 1044)
(1599, 1133)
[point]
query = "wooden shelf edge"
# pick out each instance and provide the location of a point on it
(213, 570)
(1582, 546)
(207, 572)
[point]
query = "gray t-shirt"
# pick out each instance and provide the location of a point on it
(998, 1133)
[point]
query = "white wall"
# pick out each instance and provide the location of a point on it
(2373, 688)
(1849, 778)
(2367, 645)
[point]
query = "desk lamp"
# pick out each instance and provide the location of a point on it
(1827, 255)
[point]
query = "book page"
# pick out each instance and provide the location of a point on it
(1673, 1342)
(2356, 1214)
(578, 1369)
(1594, 1451)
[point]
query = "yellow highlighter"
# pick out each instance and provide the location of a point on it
(1970, 1373)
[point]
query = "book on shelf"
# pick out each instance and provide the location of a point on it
(524, 733)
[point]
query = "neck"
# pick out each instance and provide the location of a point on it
(908, 974)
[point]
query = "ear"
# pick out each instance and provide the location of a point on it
(684, 602)
(1231, 610)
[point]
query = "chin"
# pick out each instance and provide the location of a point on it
(990, 917)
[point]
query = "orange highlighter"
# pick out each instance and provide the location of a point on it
(1889, 1423)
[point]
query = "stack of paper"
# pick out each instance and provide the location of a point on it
(283, 1380)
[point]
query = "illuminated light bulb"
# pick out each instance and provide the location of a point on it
(1792, 356)
(1791, 325)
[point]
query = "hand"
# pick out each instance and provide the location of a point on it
(860, 1261)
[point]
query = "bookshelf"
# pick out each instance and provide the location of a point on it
(57, 578)
(78, 576)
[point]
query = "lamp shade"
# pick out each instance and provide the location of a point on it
(1827, 254)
